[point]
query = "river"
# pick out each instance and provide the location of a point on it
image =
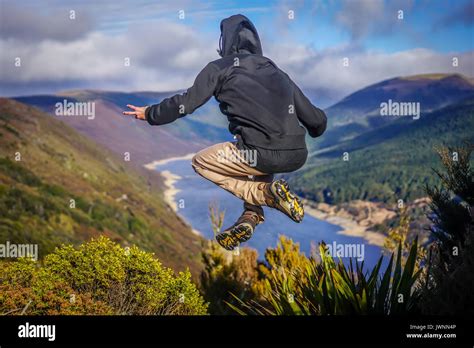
(195, 193)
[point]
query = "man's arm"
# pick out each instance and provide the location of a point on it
(313, 118)
(182, 104)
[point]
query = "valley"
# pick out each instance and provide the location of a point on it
(389, 157)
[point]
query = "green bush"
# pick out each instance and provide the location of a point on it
(452, 202)
(18, 172)
(27, 289)
(100, 277)
(226, 273)
(297, 285)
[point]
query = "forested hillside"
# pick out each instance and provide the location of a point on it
(389, 163)
(56, 186)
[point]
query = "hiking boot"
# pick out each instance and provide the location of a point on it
(285, 201)
(239, 232)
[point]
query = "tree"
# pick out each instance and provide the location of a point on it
(452, 204)
(447, 289)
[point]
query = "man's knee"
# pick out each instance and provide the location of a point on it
(197, 163)
(194, 163)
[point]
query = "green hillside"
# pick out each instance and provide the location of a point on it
(360, 112)
(389, 163)
(59, 165)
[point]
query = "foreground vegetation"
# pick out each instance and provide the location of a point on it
(289, 283)
(416, 280)
(99, 277)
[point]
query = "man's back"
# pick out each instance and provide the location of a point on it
(263, 106)
(257, 99)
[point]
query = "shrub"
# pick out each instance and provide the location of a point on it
(226, 273)
(452, 202)
(448, 285)
(24, 289)
(99, 277)
(306, 286)
(400, 235)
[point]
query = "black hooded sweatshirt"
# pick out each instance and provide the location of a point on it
(263, 105)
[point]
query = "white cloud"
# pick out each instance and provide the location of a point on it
(32, 26)
(164, 56)
(362, 18)
(167, 55)
(324, 70)
(353, 16)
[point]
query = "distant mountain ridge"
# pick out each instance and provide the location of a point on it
(125, 134)
(388, 158)
(360, 111)
(432, 91)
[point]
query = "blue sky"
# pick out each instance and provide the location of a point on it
(167, 52)
(434, 24)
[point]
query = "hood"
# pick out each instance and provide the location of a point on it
(238, 35)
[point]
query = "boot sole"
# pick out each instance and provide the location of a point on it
(238, 234)
(242, 232)
(281, 191)
(227, 241)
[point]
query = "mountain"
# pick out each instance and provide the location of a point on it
(355, 125)
(431, 91)
(388, 163)
(58, 186)
(125, 134)
(360, 111)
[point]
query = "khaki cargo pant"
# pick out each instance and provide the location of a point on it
(228, 167)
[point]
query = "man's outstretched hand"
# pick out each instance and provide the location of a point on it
(138, 111)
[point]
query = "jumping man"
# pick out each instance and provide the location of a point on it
(264, 108)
